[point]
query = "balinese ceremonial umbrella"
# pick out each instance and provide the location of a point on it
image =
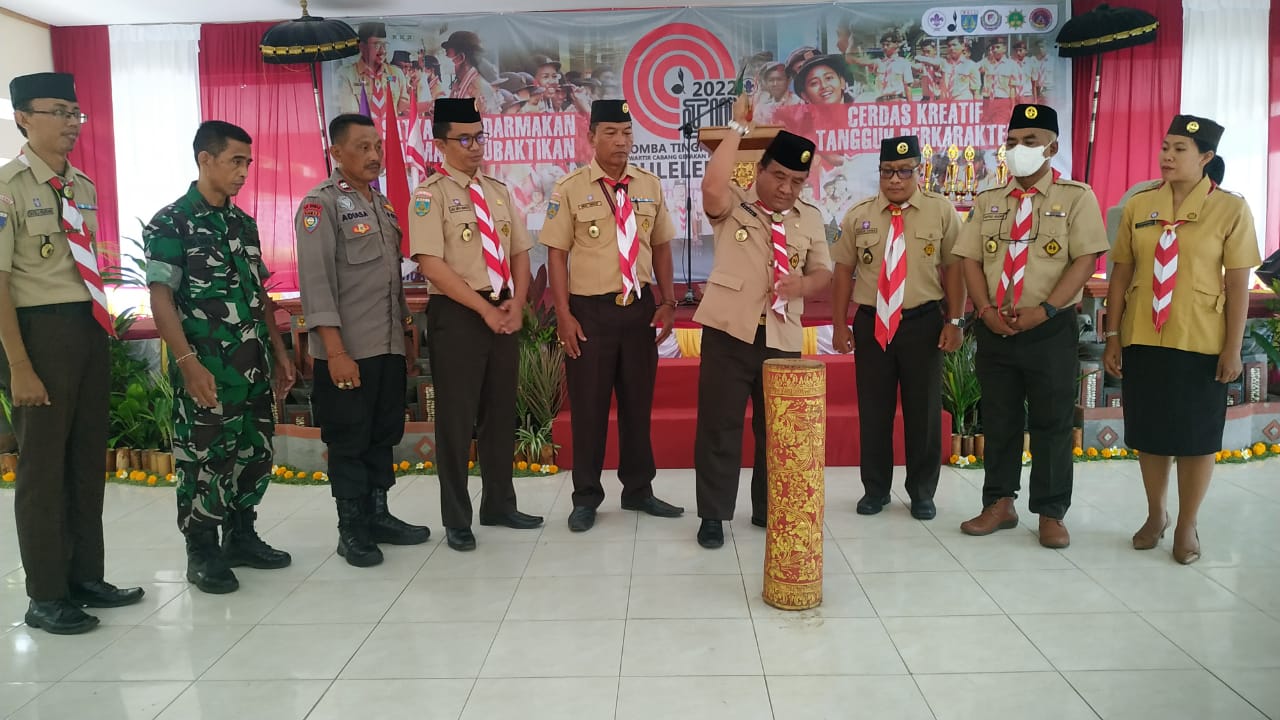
(1098, 31)
(311, 41)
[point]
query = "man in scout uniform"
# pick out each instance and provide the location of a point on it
(1027, 251)
(899, 243)
(608, 234)
(354, 304)
(205, 269)
(371, 85)
(51, 300)
(472, 245)
(771, 253)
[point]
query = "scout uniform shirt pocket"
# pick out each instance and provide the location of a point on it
(726, 280)
(1209, 296)
(593, 223)
(928, 247)
(1051, 238)
(362, 241)
(994, 233)
(646, 215)
(869, 254)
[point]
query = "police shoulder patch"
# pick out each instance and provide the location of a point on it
(311, 216)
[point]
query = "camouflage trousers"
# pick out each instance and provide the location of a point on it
(222, 455)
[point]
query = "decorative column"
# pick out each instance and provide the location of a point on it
(795, 393)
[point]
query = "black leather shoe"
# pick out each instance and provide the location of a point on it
(515, 520)
(870, 505)
(711, 534)
(102, 594)
(241, 545)
(923, 509)
(206, 567)
(759, 521)
(460, 539)
(582, 518)
(60, 617)
(388, 529)
(655, 507)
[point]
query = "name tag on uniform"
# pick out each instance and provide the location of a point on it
(1054, 213)
(585, 205)
(39, 212)
(459, 208)
(348, 217)
(1144, 223)
(642, 200)
(749, 209)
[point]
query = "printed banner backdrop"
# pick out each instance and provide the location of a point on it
(844, 75)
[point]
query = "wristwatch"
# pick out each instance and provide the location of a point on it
(1049, 309)
(739, 128)
(957, 321)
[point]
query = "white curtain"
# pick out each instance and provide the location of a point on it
(1224, 77)
(155, 80)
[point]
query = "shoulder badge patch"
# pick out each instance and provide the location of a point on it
(311, 216)
(553, 207)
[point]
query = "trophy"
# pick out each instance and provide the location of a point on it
(969, 184)
(927, 152)
(953, 172)
(1002, 169)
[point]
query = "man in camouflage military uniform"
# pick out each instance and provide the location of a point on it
(204, 265)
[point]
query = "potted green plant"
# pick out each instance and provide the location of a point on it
(540, 387)
(961, 393)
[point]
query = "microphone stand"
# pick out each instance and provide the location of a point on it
(688, 131)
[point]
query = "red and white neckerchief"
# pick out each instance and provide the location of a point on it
(1165, 275)
(781, 265)
(1015, 259)
(495, 260)
(892, 284)
(628, 248)
(81, 247)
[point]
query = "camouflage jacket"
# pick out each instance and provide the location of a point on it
(212, 260)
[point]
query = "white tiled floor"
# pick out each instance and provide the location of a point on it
(634, 621)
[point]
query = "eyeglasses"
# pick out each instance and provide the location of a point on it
(466, 140)
(62, 115)
(903, 174)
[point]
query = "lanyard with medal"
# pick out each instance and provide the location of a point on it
(46, 245)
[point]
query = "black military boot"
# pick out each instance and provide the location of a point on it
(354, 542)
(241, 545)
(386, 528)
(206, 568)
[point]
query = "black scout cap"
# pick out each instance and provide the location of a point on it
(457, 110)
(1041, 117)
(791, 151)
(58, 86)
(617, 111)
(1204, 130)
(899, 148)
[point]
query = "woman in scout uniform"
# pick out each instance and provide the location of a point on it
(1027, 252)
(771, 253)
(472, 245)
(899, 241)
(1177, 305)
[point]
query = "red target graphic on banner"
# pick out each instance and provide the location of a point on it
(671, 63)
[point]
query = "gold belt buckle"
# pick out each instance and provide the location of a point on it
(493, 297)
(763, 318)
(624, 299)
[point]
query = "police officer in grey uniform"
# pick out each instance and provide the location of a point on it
(353, 301)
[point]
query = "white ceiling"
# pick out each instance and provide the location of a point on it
(137, 12)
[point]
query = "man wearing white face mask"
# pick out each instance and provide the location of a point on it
(1027, 252)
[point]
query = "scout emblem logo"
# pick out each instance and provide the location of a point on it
(776, 217)
(68, 192)
(902, 148)
(867, 257)
(804, 156)
(593, 231)
(1052, 247)
(928, 250)
(740, 236)
(35, 202)
(1191, 216)
(346, 203)
(46, 249)
(992, 246)
(466, 234)
(1193, 126)
(626, 108)
(795, 261)
(1031, 113)
(866, 224)
(360, 229)
(311, 216)
(645, 225)
(1154, 214)
(506, 229)
(421, 206)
